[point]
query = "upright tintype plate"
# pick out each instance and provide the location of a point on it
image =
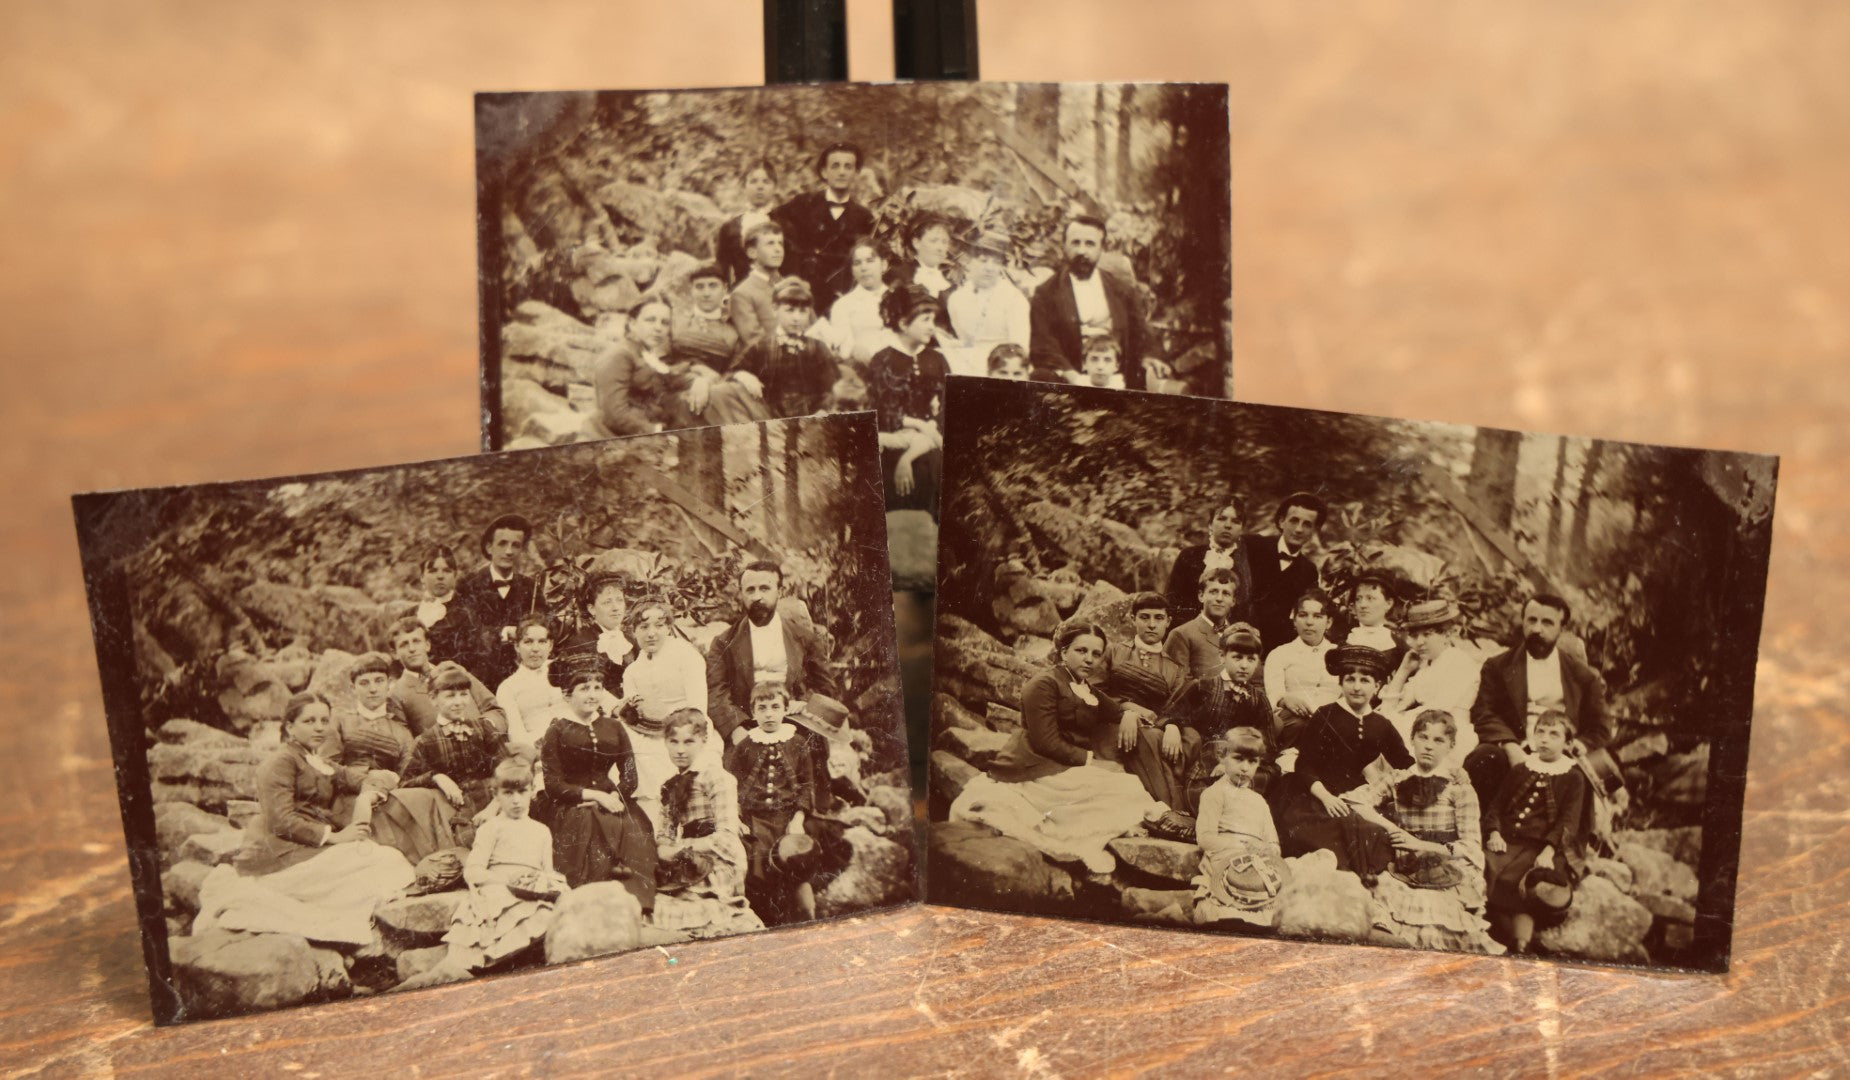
(398, 726)
(664, 259)
(1343, 678)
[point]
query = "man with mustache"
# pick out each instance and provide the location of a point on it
(763, 647)
(1082, 300)
(1525, 683)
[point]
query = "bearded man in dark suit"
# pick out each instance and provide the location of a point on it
(821, 227)
(763, 647)
(1082, 300)
(494, 598)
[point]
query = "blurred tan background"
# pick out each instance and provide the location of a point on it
(237, 239)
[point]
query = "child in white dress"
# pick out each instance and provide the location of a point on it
(1241, 869)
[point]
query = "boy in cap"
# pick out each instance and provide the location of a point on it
(788, 371)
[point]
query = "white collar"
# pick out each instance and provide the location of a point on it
(1352, 712)
(498, 579)
(377, 714)
(1140, 649)
(833, 201)
(1557, 767)
(446, 598)
(1283, 554)
(784, 734)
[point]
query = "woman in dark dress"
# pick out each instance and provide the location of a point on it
(598, 831)
(759, 188)
(906, 388)
(445, 621)
(1333, 747)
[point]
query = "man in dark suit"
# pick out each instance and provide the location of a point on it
(1521, 685)
(820, 227)
(1282, 571)
(1224, 548)
(763, 647)
(1082, 300)
(495, 597)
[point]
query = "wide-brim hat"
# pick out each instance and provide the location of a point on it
(823, 715)
(1346, 658)
(990, 242)
(1548, 887)
(1430, 613)
(794, 854)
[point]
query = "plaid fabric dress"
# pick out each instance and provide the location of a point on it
(1432, 901)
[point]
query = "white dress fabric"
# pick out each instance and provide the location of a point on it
(329, 897)
(1069, 816)
(674, 678)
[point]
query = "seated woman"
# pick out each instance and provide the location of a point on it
(527, 697)
(700, 878)
(1435, 673)
(598, 831)
(855, 329)
(458, 756)
(1433, 897)
(906, 390)
(1334, 746)
(605, 598)
(1058, 784)
(701, 333)
(1371, 600)
(987, 310)
(668, 674)
(1241, 871)
(759, 188)
(639, 389)
(928, 265)
(373, 734)
(1534, 834)
(1141, 678)
(302, 870)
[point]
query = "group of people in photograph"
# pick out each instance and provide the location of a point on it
(803, 310)
(611, 748)
(1237, 716)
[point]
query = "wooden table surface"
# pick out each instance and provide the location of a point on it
(236, 239)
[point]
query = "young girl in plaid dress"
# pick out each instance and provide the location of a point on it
(701, 873)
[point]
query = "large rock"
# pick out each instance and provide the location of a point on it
(1612, 870)
(331, 679)
(418, 920)
(1034, 650)
(594, 920)
(558, 428)
(1604, 924)
(949, 774)
(1096, 547)
(543, 333)
(896, 803)
(675, 220)
(912, 548)
(180, 886)
(1667, 907)
(1002, 718)
(220, 773)
(524, 399)
(1165, 860)
(294, 663)
(978, 746)
(175, 822)
(948, 713)
(1654, 871)
(321, 613)
(221, 973)
(1109, 607)
(879, 876)
(1655, 744)
(241, 811)
(213, 848)
(1023, 604)
(976, 864)
(1320, 901)
(250, 690)
(196, 734)
(1158, 905)
(415, 962)
(969, 659)
(1683, 779)
(1682, 844)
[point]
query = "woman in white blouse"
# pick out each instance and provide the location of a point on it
(855, 329)
(669, 673)
(987, 310)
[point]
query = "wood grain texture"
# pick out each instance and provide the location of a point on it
(236, 240)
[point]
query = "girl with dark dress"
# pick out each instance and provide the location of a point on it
(1205, 709)
(598, 831)
(1334, 746)
(457, 756)
(906, 389)
(372, 733)
(1531, 827)
(446, 623)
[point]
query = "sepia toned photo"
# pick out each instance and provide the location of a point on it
(1343, 678)
(397, 727)
(654, 260)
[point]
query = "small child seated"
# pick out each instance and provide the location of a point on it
(700, 877)
(1101, 363)
(1433, 895)
(1009, 361)
(1241, 869)
(458, 756)
(1533, 826)
(512, 884)
(790, 372)
(791, 852)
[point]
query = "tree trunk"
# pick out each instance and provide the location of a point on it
(1556, 496)
(1492, 483)
(1583, 506)
(1124, 186)
(1037, 117)
(767, 503)
(1101, 155)
(793, 499)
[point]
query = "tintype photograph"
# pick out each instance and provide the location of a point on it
(389, 728)
(1343, 678)
(669, 259)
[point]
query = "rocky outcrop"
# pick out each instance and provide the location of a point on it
(978, 865)
(948, 775)
(880, 875)
(213, 848)
(594, 920)
(1163, 860)
(1096, 547)
(331, 680)
(177, 822)
(912, 548)
(417, 921)
(896, 803)
(558, 348)
(180, 886)
(1320, 901)
(977, 746)
(221, 973)
(1603, 924)
(211, 775)
(948, 713)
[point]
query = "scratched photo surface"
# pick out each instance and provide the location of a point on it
(1343, 678)
(389, 728)
(667, 259)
